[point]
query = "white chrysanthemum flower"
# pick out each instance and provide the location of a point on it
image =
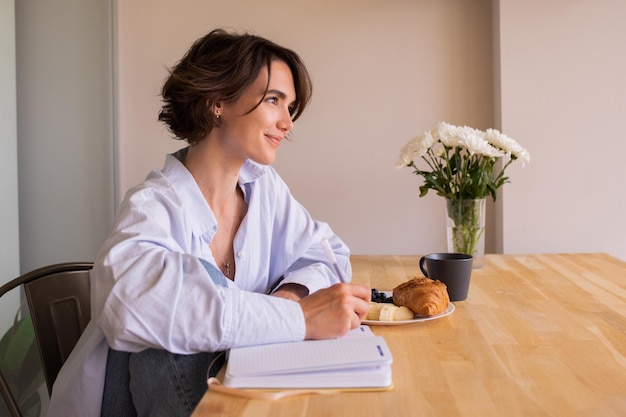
(523, 156)
(468, 138)
(427, 140)
(475, 144)
(448, 134)
(415, 148)
(507, 144)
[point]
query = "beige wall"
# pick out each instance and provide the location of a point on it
(564, 94)
(384, 71)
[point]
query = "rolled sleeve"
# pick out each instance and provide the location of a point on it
(314, 277)
(254, 319)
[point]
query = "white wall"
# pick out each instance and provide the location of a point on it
(65, 144)
(564, 95)
(383, 72)
(9, 233)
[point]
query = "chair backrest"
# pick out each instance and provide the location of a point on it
(58, 300)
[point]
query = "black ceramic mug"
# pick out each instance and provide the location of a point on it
(453, 269)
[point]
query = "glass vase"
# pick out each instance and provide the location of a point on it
(466, 228)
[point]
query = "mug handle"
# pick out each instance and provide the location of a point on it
(422, 267)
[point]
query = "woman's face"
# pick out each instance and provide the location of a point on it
(257, 135)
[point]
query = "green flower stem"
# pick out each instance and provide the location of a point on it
(467, 230)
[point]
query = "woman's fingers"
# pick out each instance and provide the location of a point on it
(332, 311)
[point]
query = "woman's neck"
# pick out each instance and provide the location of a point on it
(217, 176)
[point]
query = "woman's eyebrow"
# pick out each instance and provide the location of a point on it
(278, 93)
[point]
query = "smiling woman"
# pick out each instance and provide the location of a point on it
(212, 251)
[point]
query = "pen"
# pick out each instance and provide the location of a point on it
(330, 255)
(276, 284)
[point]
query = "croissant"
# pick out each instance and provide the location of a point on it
(423, 296)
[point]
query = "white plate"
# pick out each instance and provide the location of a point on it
(417, 318)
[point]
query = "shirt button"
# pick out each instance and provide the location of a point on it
(240, 254)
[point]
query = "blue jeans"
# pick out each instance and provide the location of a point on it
(156, 383)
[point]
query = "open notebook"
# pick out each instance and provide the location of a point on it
(357, 360)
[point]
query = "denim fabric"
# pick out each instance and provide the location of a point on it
(116, 399)
(156, 383)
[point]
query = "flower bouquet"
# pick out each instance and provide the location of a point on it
(461, 164)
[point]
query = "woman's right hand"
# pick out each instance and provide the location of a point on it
(331, 312)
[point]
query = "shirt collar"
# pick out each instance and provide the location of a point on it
(250, 172)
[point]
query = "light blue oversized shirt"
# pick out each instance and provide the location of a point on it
(155, 283)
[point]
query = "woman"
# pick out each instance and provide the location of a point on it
(211, 251)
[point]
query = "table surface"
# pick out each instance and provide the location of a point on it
(539, 335)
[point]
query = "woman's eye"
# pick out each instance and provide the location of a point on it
(273, 100)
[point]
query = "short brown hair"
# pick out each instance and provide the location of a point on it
(219, 67)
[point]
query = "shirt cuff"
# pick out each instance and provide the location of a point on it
(314, 277)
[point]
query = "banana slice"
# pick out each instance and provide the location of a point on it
(374, 311)
(390, 312)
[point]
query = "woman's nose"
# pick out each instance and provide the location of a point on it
(285, 123)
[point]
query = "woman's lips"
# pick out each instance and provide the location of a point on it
(274, 139)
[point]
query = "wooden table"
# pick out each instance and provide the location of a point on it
(539, 335)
